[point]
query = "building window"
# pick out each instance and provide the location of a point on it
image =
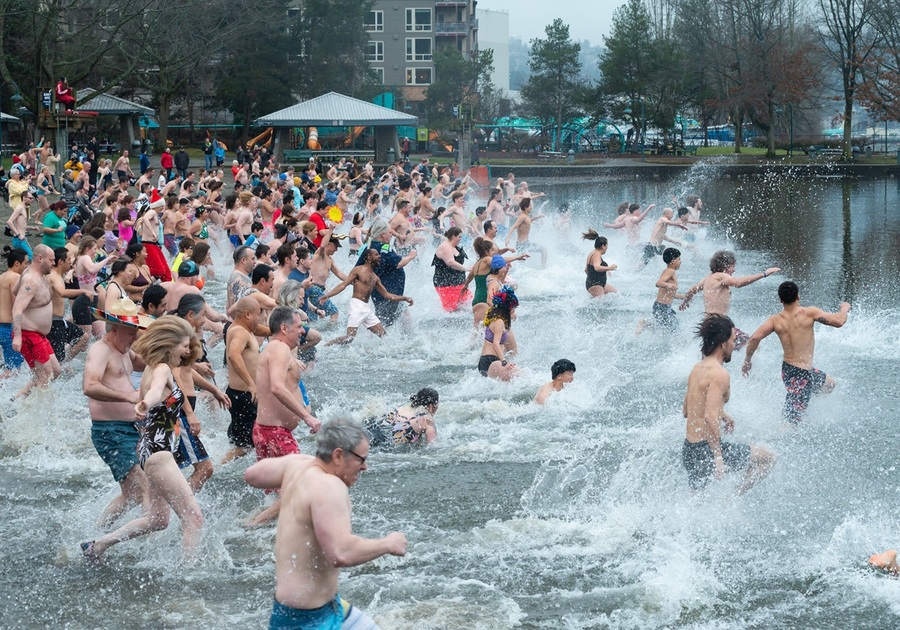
(418, 20)
(375, 51)
(374, 21)
(418, 76)
(418, 49)
(379, 72)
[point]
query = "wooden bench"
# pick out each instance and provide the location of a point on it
(689, 150)
(551, 155)
(815, 151)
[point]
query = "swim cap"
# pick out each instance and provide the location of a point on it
(497, 262)
(188, 269)
(505, 298)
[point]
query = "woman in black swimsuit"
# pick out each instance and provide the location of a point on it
(596, 268)
(168, 343)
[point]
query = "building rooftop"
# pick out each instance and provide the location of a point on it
(336, 110)
(107, 104)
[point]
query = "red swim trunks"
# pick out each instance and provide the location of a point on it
(35, 348)
(273, 441)
(452, 297)
(159, 268)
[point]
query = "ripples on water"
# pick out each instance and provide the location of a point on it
(573, 516)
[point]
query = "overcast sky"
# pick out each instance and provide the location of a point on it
(587, 19)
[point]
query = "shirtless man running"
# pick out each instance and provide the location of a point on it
(658, 235)
(522, 229)
(704, 454)
(364, 281)
(717, 285)
(111, 400)
(32, 318)
(630, 221)
(280, 402)
(794, 326)
(242, 353)
(16, 262)
(314, 538)
(62, 331)
(320, 269)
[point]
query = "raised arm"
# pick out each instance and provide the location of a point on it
(835, 320)
(743, 281)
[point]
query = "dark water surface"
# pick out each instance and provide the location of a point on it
(573, 516)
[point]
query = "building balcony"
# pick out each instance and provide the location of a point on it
(454, 29)
(451, 3)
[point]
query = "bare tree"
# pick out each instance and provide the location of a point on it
(849, 37)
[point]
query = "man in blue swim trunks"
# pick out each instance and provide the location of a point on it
(111, 401)
(314, 536)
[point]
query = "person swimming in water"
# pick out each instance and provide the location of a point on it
(562, 373)
(411, 424)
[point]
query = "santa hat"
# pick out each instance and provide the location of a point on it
(156, 201)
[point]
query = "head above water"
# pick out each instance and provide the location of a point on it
(670, 254)
(788, 292)
(561, 367)
(714, 331)
(599, 241)
(340, 433)
(721, 261)
(425, 397)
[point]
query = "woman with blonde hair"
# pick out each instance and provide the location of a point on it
(167, 344)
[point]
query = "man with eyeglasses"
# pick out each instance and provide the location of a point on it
(279, 399)
(314, 538)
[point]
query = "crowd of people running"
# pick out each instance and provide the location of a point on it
(123, 260)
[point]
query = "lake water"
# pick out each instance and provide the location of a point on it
(573, 516)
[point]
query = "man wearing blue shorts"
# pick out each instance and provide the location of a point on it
(315, 502)
(111, 401)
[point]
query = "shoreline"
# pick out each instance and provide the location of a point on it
(718, 170)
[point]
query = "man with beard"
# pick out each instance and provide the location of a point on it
(704, 454)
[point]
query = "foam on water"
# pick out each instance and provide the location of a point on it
(575, 515)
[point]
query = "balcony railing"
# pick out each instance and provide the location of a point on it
(451, 3)
(451, 28)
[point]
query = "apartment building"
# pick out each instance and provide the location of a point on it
(403, 38)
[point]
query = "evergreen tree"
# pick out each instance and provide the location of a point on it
(459, 80)
(555, 87)
(333, 44)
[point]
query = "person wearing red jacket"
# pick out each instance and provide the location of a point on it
(167, 163)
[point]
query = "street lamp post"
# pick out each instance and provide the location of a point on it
(791, 127)
(643, 131)
(642, 137)
(15, 98)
